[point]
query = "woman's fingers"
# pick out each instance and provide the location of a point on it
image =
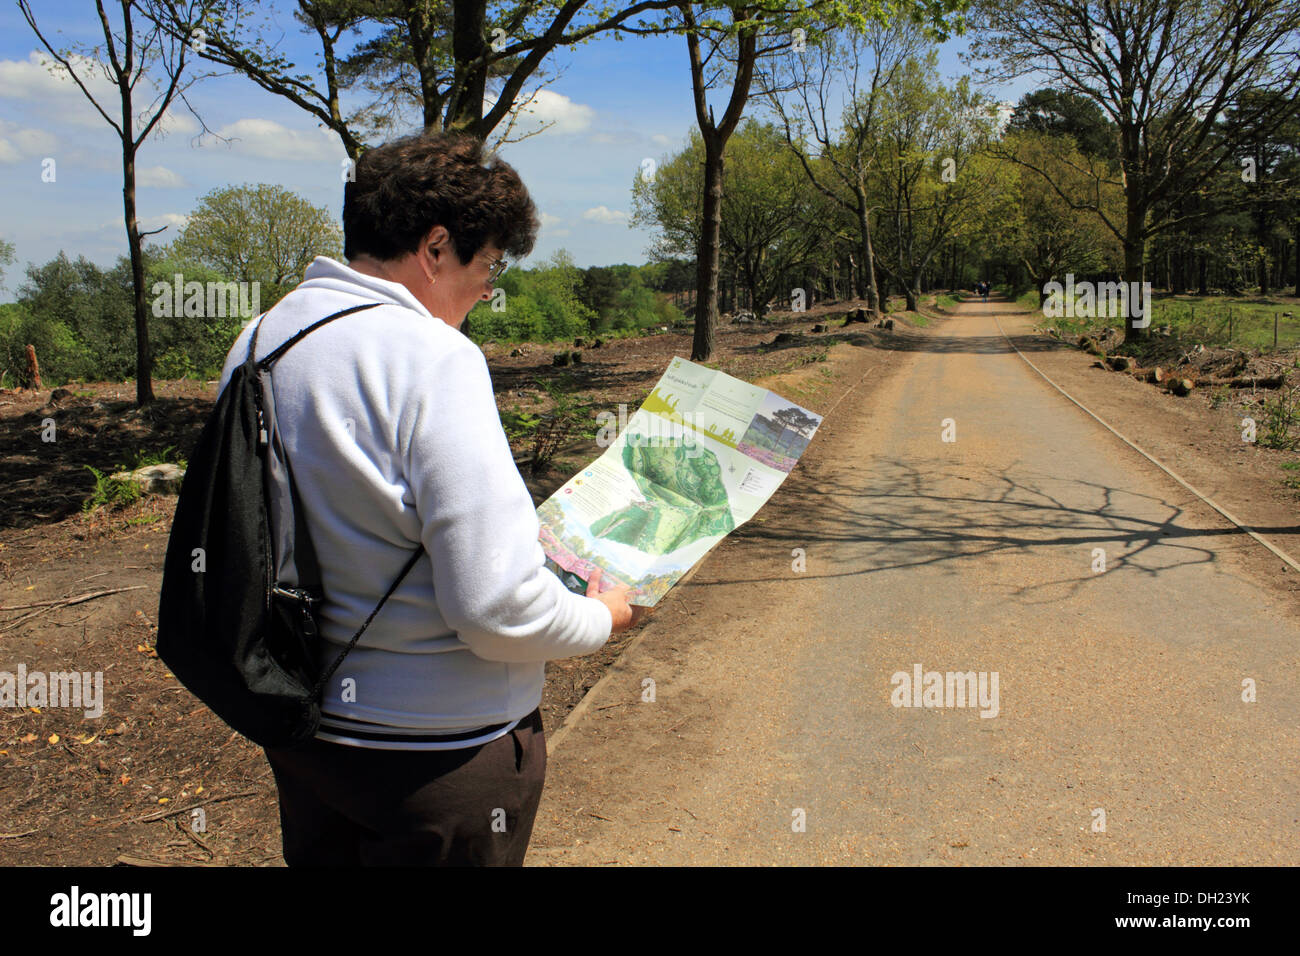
(624, 614)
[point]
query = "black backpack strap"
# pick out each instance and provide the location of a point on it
(406, 569)
(303, 333)
(310, 565)
(305, 560)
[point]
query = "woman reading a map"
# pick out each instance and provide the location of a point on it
(431, 749)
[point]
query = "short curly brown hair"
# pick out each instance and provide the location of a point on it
(403, 189)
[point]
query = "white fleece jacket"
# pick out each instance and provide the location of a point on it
(390, 425)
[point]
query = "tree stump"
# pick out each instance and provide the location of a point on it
(33, 369)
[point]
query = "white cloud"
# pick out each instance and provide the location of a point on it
(659, 139)
(604, 214)
(44, 86)
(546, 108)
(174, 222)
(159, 177)
(271, 140)
(41, 82)
(23, 142)
(39, 77)
(548, 220)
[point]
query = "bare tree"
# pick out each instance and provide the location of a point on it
(132, 56)
(1164, 72)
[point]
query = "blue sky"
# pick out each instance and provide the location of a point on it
(615, 104)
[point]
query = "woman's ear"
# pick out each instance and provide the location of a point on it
(436, 241)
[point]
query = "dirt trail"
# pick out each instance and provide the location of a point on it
(1119, 695)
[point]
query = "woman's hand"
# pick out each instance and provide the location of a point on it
(625, 615)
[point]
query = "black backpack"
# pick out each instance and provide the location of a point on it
(237, 615)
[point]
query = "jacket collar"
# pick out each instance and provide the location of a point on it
(327, 273)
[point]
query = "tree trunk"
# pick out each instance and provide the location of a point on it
(706, 282)
(468, 41)
(869, 263)
(1134, 259)
(143, 357)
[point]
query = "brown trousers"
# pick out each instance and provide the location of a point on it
(354, 806)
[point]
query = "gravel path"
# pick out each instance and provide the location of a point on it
(1119, 692)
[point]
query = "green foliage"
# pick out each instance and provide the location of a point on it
(1063, 113)
(1292, 480)
(191, 346)
(262, 233)
(558, 301)
(1280, 418)
(1041, 230)
(113, 492)
(6, 256)
(519, 424)
(80, 319)
(568, 419)
(57, 348)
(110, 492)
(772, 220)
(143, 458)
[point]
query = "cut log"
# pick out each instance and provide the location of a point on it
(1251, 381)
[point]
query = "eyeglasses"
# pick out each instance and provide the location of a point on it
(495, 268)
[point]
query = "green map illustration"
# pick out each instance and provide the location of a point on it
(684, 498)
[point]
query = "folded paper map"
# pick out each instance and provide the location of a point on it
(697, 460)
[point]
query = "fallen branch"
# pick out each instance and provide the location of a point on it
(14, 836)
(43, 607)
(163, 814)
(128, 860)
(68, 602)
